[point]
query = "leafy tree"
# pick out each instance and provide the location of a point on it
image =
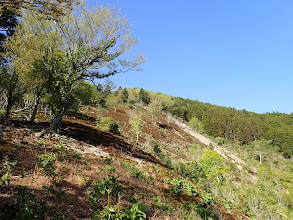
(81, 45)
(102, 92)
(14, 72)
(108, 124)
(212, 165)
(261, 146)
(113, 100)
(196, 124)
(144, 97)
(155, 108)
(48, 8)
(8, 23)
(136, 125)
(85, 92)
(125, 95)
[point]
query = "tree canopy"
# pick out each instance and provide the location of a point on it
(45, 7)
(80, 45)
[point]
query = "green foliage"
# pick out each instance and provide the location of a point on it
(208, 199)
(111, 169)
(8, 164)
(190, 189)
(102, 93)
(178, 182)
(136, 125)
(193, 170)
(176, 191)
(127, 165)
(2, 113)
(138, 174)
(48, 189)
(196, 124)
(109, 213)
(125, 95)
(212, 165)
(80, 46)
(144, 97)
(61, 215)
(46, 162)
(108, 124)
(76, 155)
(5, 179)
(162, 203)
(182, 184)
(85, 92)
(108, 160)
(135, 212)
(240, 127)
(27, 206)
(220, 140)
(99, 189)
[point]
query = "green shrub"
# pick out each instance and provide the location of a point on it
(46, 162)
(135, 212)
(8, 164)
(208, 199)
(111, 169)
(178, 182)
(190, 189)
(108, 124)
(99, 189)
(138, 174)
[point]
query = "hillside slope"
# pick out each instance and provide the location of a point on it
(86, 156)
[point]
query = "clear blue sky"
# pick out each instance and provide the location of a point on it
(228, 53)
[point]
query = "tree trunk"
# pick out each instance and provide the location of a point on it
(2, 129)
(55, 123)
(9, 104)
(36, 105)
(259, 157)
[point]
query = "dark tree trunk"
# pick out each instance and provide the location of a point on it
(36, 105)
(9, 104)
(55, 123)
(2, 129)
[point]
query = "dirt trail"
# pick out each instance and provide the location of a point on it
(220, 150)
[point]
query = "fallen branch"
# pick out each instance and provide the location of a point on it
(20, 110)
